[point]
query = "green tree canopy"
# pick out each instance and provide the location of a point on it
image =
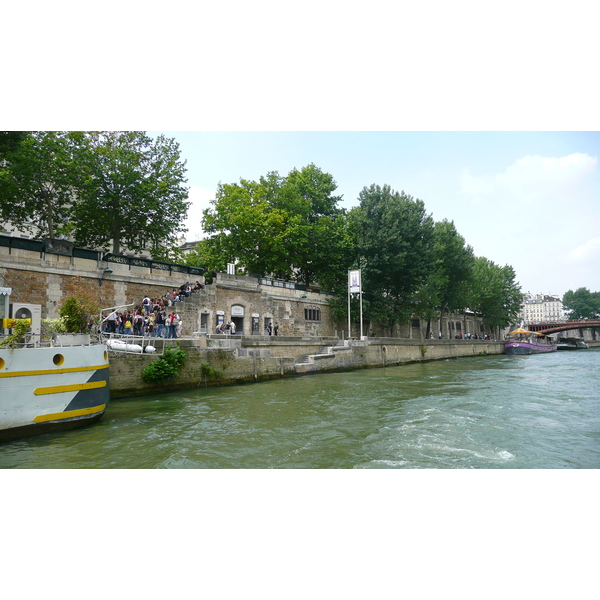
(581, 304)
(452, 261)
(289, 227)
(317, 226)
(118, 187)
(9, 142)
(246, 227)
(38, 180)
(494, 293)
(394, 236)
(133, 194)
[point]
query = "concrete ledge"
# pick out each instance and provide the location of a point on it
(242, 363)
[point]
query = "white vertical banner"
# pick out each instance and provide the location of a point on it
(354, 281)
(355, 287)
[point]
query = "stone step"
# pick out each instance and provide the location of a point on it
(304, 361)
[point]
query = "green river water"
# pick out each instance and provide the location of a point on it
(498, 412)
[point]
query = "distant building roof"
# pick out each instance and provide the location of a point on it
(188, 246)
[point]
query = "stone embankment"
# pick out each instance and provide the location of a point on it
(252, 358)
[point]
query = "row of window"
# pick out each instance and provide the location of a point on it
(312, 314)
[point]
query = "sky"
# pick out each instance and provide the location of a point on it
(526, 199)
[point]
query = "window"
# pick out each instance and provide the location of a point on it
(312, 314)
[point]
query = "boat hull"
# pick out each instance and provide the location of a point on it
(45, 389)
(572, 345)
(524, 347)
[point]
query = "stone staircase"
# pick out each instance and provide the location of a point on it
(308, 362)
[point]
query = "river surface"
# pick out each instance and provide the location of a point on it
(497, 412)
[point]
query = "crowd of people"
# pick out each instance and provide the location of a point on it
(466, 336)
(154, 317)
(472, 336)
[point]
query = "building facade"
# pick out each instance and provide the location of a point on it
(541, 308)
(45, 272)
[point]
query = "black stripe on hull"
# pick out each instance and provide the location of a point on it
(93, 397)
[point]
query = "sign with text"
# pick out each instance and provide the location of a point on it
(354, 281)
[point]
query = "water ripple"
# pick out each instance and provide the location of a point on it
(483, 413)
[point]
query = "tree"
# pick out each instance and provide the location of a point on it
(446, 285)
(316, 226)
(207, 256)
(494, 293)
(246, 227)
(80, 309)
(582, 304)
(394, 235)
(133, 193)
(282, 226)
(37, 182)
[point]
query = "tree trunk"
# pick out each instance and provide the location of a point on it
(49, 214)
(116, 239)
(116, 244)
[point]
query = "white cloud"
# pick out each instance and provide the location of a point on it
(530, 179)
(586, 252)
(537, 215)
(200, 199)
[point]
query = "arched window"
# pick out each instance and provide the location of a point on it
(237, 310)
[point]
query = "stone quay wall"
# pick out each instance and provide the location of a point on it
(255, 358)
(38, 275)
(41, 277)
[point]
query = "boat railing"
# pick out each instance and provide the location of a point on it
(135, 344)
(54, 340)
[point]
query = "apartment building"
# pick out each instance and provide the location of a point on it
(541, 308)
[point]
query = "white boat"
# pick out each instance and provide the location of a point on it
(54, 387)
(571, 344)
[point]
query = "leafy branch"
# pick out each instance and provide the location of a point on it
(166, 367)
(19, 328)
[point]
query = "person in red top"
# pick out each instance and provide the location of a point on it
(172, 322)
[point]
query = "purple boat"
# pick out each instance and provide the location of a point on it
(522, 341)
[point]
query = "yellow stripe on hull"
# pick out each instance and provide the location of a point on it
(53, 371)
(74, 387)
(69, 414)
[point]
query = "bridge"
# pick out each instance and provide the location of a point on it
(555, 327)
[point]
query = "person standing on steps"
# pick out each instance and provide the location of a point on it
(276, 328)
(161, 317)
